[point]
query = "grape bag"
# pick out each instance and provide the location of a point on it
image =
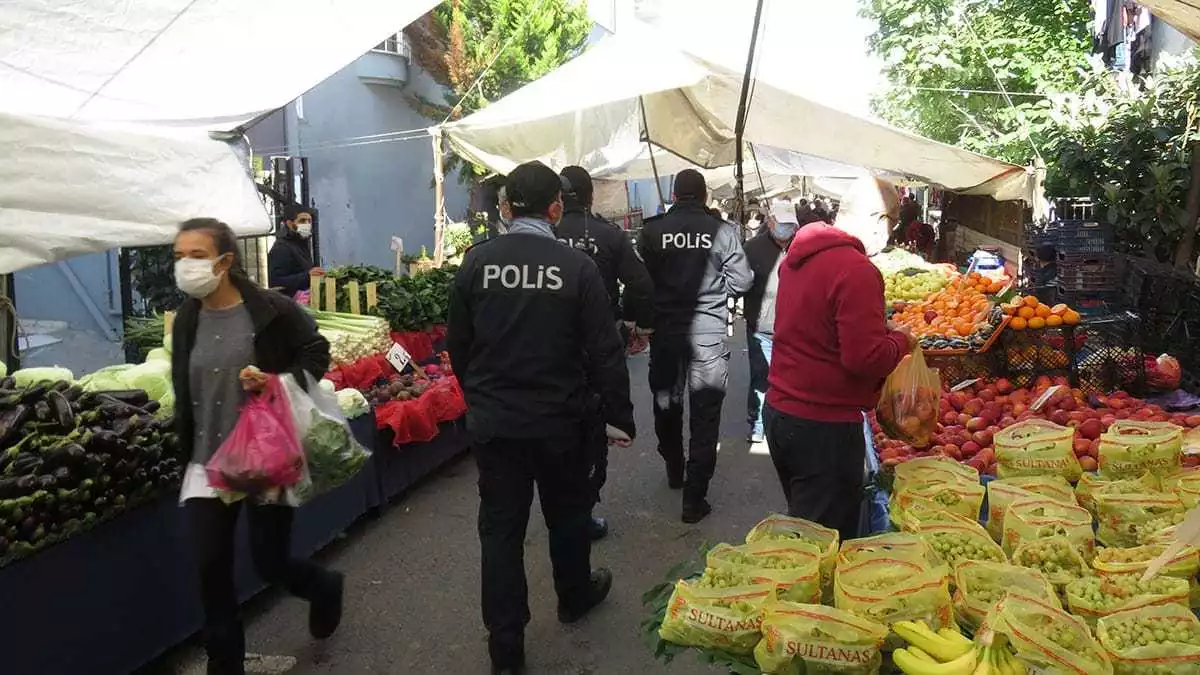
(728, 619)
(818, 639)
(955, 543)
(779, 527)
(263, 451)
(1131, 448)
(1035, 517)
(979, 585)
(889, 590)
(792, 567)
(904, 546)
(1046, 638)
(1177, 652)
(1091, 598)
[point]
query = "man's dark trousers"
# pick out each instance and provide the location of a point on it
(508, 471)
(699, 365)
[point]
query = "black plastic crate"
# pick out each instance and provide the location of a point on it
(1109, 355)
(1150, 286)
(1090, 272)
(1092, 304)
(1083, 236)
(1024, 355)
(956, 368)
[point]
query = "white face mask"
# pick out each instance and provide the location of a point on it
(304, 230)
(195, 277)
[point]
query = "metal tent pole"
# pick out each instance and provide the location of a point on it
(739, 203)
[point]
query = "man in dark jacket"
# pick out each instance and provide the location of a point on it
(696, 262)
(832, 352)
(291, 259)
(764, 253)
(531, 338)
(612, 251)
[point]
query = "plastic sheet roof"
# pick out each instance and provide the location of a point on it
(107, 107)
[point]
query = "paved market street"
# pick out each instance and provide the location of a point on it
(412, 593)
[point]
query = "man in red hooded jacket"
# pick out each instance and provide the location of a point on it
(833, 350)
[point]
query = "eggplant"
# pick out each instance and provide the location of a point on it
(133, 397)
(47, 482)
(60, 408)
(63, 475)
(152, 407)
(69, 455)
(26, 465)
(74, 393)
(104, 441)
(33, 394)
(41, 411)
(10, 489)
(9, 382)
(11, 421)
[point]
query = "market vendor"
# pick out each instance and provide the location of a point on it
(619, 265)
(831, 353)
(530, 334)
(291, 258)
(230, 323)
(696, 262)
(764, 253)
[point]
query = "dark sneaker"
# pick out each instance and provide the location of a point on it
(512, 670)
(696, 511)
(601, 584)
(325, 610)
(675, 475)
(598, 528)
(757, 437)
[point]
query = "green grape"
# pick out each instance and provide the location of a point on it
(723, 578)
(1136, 631)
(1110, 593)
(1128, 555)
(953, 547)
(1051, 556)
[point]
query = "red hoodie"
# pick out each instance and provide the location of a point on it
(832, 348)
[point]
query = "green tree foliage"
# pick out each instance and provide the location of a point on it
(521, 40)
(1128, 146)
(1026, 47)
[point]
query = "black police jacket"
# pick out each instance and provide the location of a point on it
(289, 262)
(613, 254)
(696, 262)
(529, 330)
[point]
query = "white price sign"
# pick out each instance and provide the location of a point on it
(399, 357)
(963, 385)
(1037, 405)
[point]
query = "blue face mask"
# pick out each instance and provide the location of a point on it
(785, 231)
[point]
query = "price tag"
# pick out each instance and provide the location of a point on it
(372, 294)
(963, 385)
(330, 295)
(398, 356)
(352, 290)
(397, 244)
(1041, 400)
(314, 291)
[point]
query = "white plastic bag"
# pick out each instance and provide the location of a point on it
(332, 454)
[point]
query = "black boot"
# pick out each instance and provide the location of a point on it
(325, 610)
(601, 584)
(674, 472)
(598, 528)
(225, 646)
(507, 654)
(695, 507)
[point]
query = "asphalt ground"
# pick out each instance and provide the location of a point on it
(412, 575)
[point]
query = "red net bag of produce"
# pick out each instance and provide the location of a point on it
(1036, 448)
(410, 421)
(1130, 449)
(263, 451)
(1163, 373)
(1162, 639)
(418, 344)
(445, 399)
(908, 406)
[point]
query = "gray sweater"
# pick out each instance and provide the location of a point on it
(224, 345)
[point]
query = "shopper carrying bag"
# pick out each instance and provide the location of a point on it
(228, 338)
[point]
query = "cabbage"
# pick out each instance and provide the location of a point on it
(152, 377)
(30, 376)
(166, 404)
(106, 379)
(327, 385)
(352, 403)
(3, 369)
(159, 354)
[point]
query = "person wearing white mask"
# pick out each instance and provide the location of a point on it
(764, 252)
(291, 259)
(227, 337)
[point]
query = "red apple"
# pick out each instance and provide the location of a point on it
(973, 406)
(976, 424)
(987, 394)
(1007, 421)
(950, 418)
(1003, 386)
(1082, 446)
(970, 449)
(1091, 429)
(1060, 417)
(958, 399)
(1019, 408)
(1088, 464)
(983, 437)
(963, 418)
(1192, 421)
(1094, 451)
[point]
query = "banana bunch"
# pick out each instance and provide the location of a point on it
(948, 652)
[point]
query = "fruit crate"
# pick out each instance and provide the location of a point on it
(1082, 237)
(1080, 273)
(1110, 356)
(1153, 287)
(954, 368)
(1023, 356)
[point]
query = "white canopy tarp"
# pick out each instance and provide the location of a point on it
(590, 112)
(106, 105)
(1184, 15)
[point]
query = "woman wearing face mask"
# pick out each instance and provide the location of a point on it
(290, 259)
(764, 253)
(227, 324)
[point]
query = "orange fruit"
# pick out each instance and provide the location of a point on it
(1059, 309)
(1071, 317)
(1017, 323)
(1054, 320)
(1031, 301)
(1026, 312)
(1042, 311)
(1037, 322)
(995, 287)
(1009, 309)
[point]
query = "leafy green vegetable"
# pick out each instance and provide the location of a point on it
(408, 303)
(332, 453)
(27, 377)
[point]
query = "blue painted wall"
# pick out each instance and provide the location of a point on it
(44, 293)
(369, 183)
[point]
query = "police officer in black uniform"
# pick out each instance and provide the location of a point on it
(697, 263)
(530, 337)
(612, 251)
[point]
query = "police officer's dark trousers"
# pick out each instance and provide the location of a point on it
(508, 471)
(699, 365)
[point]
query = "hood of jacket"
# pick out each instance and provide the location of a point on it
(815, 238)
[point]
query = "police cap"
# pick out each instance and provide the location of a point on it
(532, 187)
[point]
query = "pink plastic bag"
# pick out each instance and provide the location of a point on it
(263, 451)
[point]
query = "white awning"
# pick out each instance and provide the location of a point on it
(106, 107)
(1184, 15)
(592, 111)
